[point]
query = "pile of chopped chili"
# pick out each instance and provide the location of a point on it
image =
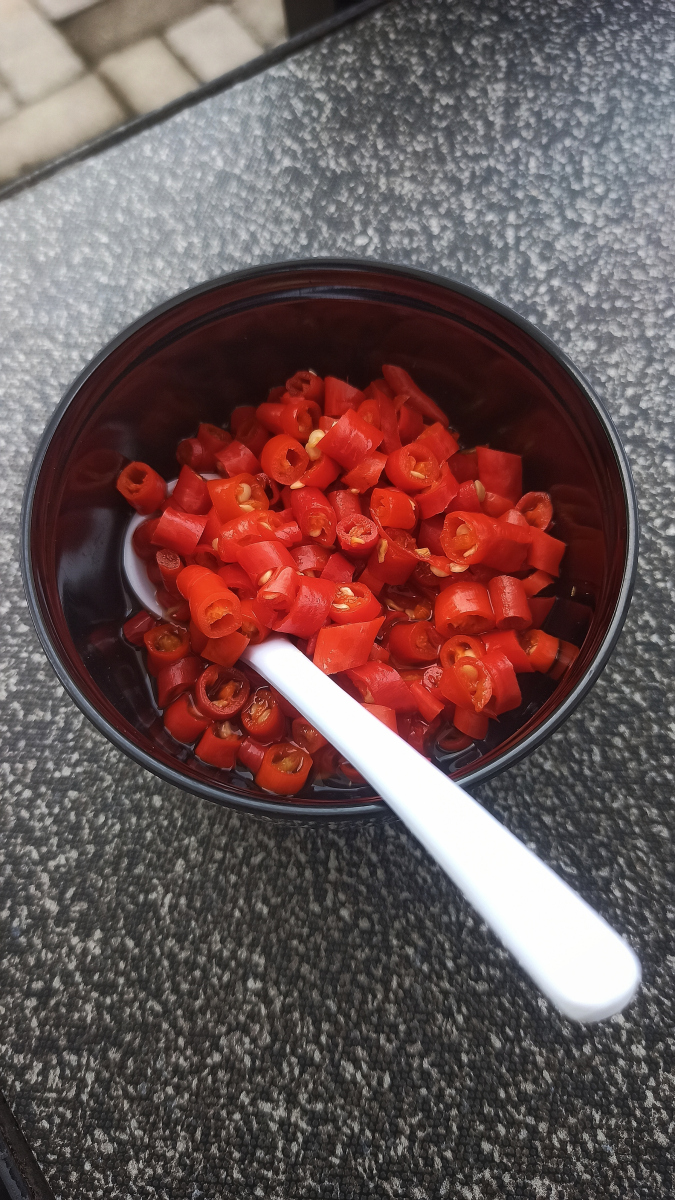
(409, 569)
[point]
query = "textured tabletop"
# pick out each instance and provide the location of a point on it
(194, 1004)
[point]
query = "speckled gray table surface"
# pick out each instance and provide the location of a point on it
(197, 1005)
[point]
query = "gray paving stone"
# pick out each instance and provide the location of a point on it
(264, 19)
(212, 42)
(147, 75)
(114, 24)
(34, 57)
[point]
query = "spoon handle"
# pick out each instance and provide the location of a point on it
(571, 953)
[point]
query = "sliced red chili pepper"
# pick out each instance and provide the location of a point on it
(436, 498)
(192, 453)
(225, 650)
(179, 531)
(567, 654)
(394, 558)
(494, 505)
(191, 493)
(469, 538)
(254, 435)
(310, 558)
(428, 703)
(338, 569)
(350, 440)
(369, 411)
(176, 678)
(366, 474)
(545, 552)
(442, 442)
(413, 468)
(393, 508)
(253, 626)
(378, 683)
(170, 566)
(354, 602)
(429, 534)
(283, 458)
(500, 472)
(221, 692)
(260, 559)
(463, 607)
(344, 502)
(458, 646)
(141, 539)
(536, 582)
(467, 498)
(506, 642)
(339, 397)
(136, 627)
(213, 607)
(410, 422)
(467, 683)
(251, 754)
(357, 535)
(384, 714)
(537, 509)
(403, 385)
(320, 473)
(307, 736)
(262, 717)
(237, 459)
(341, 647)
(307, 384)
(197, 638)
(165, 644)
(237, 496)
(509, 603)
(315, 515)
(309, 610)
(416, 731)
(269, 415)
(505, 691)
(261, 526)
(275, 598)
(184, 721)
(219, 745)
(540, 647)
(474, 725)
(235, 577)
(142, 487)
(284, 769)
(213, 438)
(414, 642)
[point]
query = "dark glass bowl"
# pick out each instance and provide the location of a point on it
(226, 343)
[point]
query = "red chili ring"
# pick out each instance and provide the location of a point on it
(220, 710)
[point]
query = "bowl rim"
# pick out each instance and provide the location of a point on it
(353, 810)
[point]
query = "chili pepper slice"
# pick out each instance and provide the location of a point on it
(275, 598)
(545, 552)
(219, 745)
(401, 384)
(224, 651)
(170, 566)
(509, 603)
(494, 505)
(354, 602)
(235, 577)
(253, 626)
(506, 642)
(463, 607)
(309, 610)
(269, 415)
(567, 654)
(410, 422)
(357, 535)
(540, 648)
(537, 509)
(384, 714)
(310, 558)
(263, 526)
(379, 683)
(192, 453)
(307, 736)
(367, 474)
(165, 644)
(341, 647)
(252, 434)
(350, 440)
(141, 539)
(474, 725)
(413, 468)
(391, 437)
(339, 397)
(251, 754)
(345, 503)
(442, 442)
(179, 531)
(137, 626)
(142, 487)
(176, 678)
(369, 411)
(191, 493)
(338, 569)
(260, 559)
(395, 558)
(505, 691)
(213, 607)
(237, 496)
(467, 498)
(237, 459)
(391, 507)
(540, 607)
(284, 769)
(283, 458)
(459, 645)
(221, 692)
(320, 473)
(315, 515)
(262, 717)
(469, 538)
(184, 721)
(428, 703)
(467, 683)
(436, 498)
(500, 472)
(414, 642)
(429, 534)
(306, 384)
(536, 582)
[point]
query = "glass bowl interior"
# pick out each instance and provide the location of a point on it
(225, 344)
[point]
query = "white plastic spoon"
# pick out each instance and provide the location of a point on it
(571, 953)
